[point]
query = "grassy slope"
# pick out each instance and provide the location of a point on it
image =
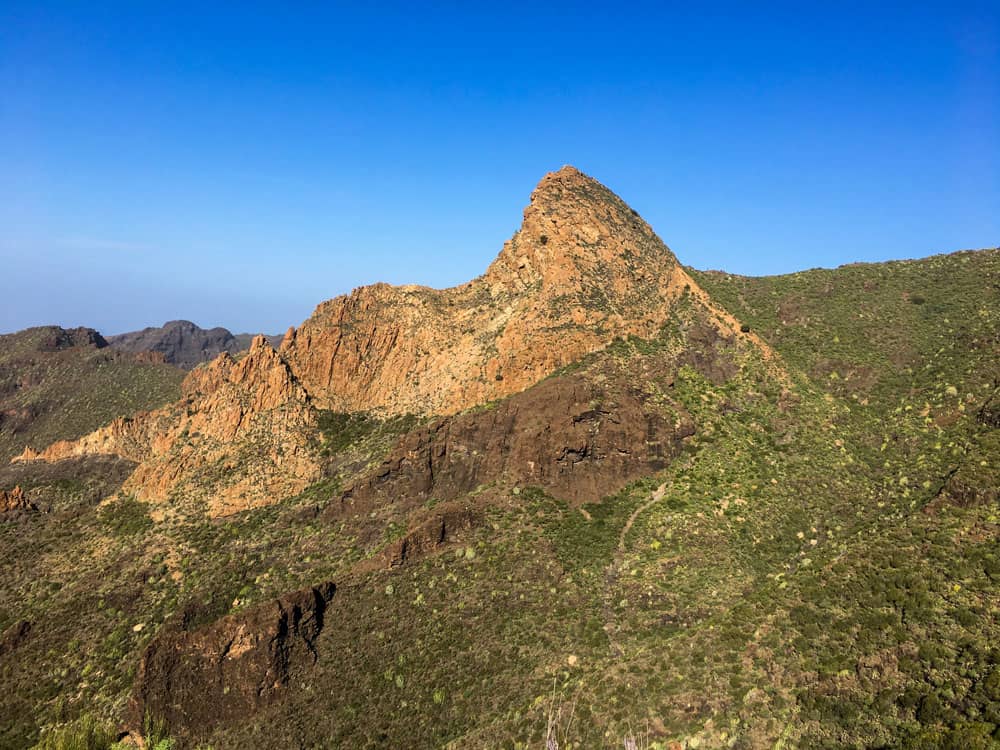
(797, 582)
(73, 391)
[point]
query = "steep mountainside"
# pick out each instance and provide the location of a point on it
(582, 271)
(183, 343)
(692, 510)
(61, 384)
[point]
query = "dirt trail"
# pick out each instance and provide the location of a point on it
(613, 571)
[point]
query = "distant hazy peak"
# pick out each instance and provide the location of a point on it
(184, 343)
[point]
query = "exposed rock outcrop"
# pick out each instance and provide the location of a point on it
(579, 439)
(429, 535)
(12, 501)
(55, 338)
(200, 678)
(583, 269)
(242, 435)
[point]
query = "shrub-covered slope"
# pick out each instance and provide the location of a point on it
(58, 384)
(814, 564)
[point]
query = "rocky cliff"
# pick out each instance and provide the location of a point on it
(195, 678)
(580, 439)
(583, 270)
(242, 434)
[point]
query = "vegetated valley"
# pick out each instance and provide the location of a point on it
(592, 498)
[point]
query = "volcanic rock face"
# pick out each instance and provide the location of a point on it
(242, 435)
(57, 339)
(428, 536)
(196, 679)
(579, 439)
(182, 343)
(583, 269)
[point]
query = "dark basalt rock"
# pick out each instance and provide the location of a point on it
(429, 536)
(14, 636)
(184, 344)
(56, 339)
(578, 439)
(197, 678)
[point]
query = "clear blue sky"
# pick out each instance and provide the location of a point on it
(238, 163)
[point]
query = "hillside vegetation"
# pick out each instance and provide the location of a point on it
(799, 549)
(59, 385)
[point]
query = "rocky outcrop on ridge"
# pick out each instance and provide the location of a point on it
(241, 435)
(577, 438)
(583, 270)
(12, 501)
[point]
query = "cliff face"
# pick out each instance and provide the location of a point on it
(582, 270)
(196, 678)
(580, 439)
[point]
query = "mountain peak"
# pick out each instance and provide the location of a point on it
(576, 231)
(582, 269)
(569, 182)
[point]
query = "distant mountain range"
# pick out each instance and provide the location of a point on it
(184, 343)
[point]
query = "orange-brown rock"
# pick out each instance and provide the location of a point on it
(14, 500)
(241, 436)
(583, 269)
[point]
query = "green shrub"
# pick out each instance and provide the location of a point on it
(86, 733)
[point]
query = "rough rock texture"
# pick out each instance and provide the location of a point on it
(428, 536)
(242, 435)
(57, 339)
(14, 500)
(183, 343)
(196, 679)
(583, 269)
(579, 439)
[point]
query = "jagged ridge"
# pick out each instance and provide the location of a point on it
(583, 270)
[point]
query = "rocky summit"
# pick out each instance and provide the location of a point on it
(592, 498)
(583, 270)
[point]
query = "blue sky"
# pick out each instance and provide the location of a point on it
(236, 164)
